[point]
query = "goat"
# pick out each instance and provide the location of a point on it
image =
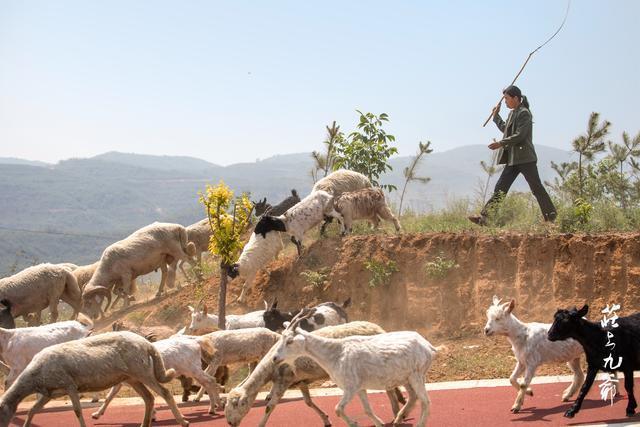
(338, 182)
(367, 203)
(88, 365)
(262, 207)
(595, 341)
(6, 319)
(359, 363)
(20, 345)
(256, 254)
(325, 314)
(201, 319)
(147, 249)
(532, 348)
(36, 288)
(309, 212)
(237, 346)
(183, 354)
(302, 372)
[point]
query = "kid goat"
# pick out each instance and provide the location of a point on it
(531, 348)
(624, 354)
(359, 363)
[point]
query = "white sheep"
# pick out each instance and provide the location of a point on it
(237, 346)
(183, 354)
(149, 248)
(308, 213)
(199, 234)
(368, 203)
(256, 254)
(20, 345)
(88, 365)
(303, 372)
(359, 363)
(36, 288)
(202, 320)
(532, 348)
(338, 182)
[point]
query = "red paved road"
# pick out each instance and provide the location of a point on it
(478, 407)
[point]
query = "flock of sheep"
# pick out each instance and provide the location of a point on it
(285, 348)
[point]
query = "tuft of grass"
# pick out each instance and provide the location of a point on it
(380, 272)
(316, 278)
(440, 267)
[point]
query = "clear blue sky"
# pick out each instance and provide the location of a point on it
(236, 81)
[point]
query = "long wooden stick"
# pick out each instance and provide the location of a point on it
(528, 58)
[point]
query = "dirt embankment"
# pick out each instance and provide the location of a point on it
(541, 272)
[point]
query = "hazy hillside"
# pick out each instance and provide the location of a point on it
(92, 202)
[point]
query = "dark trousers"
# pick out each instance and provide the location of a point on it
(530, 172)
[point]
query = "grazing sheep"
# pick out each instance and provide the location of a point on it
(623, 355)
(262, 207)
(38, 287)
(92, 364)
(84, 273)
(183, 354)
(338, 182)
(303, 372)
(20, 345)
(532, 348)
(199, 234)
(299, 219)
(147, 249)
(367, 203)
(201, 319)
(256, 254)
(325, 314)
(6, 319)
(237, 346)
(358, 363)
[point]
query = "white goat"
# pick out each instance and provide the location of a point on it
(20, 345)
(237, 346)
(368, 203)
(532, 348)
(359, 363)
(308, 213)
(201, 319)
(182, 353)
(87, 365)
(36, 288)
(256, 254)
(302, 372)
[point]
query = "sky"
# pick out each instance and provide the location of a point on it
(239, 81)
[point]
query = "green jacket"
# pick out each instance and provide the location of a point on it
(517, 140)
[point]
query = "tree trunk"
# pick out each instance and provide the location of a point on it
(222, 297)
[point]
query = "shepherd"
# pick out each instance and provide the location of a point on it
(518, 154)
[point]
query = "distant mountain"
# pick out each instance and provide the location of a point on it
(90, 203)
(16, 161)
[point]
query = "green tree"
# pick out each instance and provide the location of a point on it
(589, 144)
(620, 154)
(490, 170)
(323, 162)
(367, 149)
(564, 171)
(409, 172)
(228, 217)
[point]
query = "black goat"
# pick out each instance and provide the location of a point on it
(596, 342)
(6, 319)
(325, 314)
(261, 207)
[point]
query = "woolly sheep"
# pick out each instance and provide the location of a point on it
(88, 365)
(147, 249)
(256, 254)
(199, 234)
(302, 372)
(38, 287)
(299, 219)
(367, 203)
(532, 348)
(20, 345)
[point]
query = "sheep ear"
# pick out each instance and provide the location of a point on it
(512, 305)
(496, 300)
(583, 311)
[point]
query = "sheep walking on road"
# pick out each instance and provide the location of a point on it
(532, 348)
